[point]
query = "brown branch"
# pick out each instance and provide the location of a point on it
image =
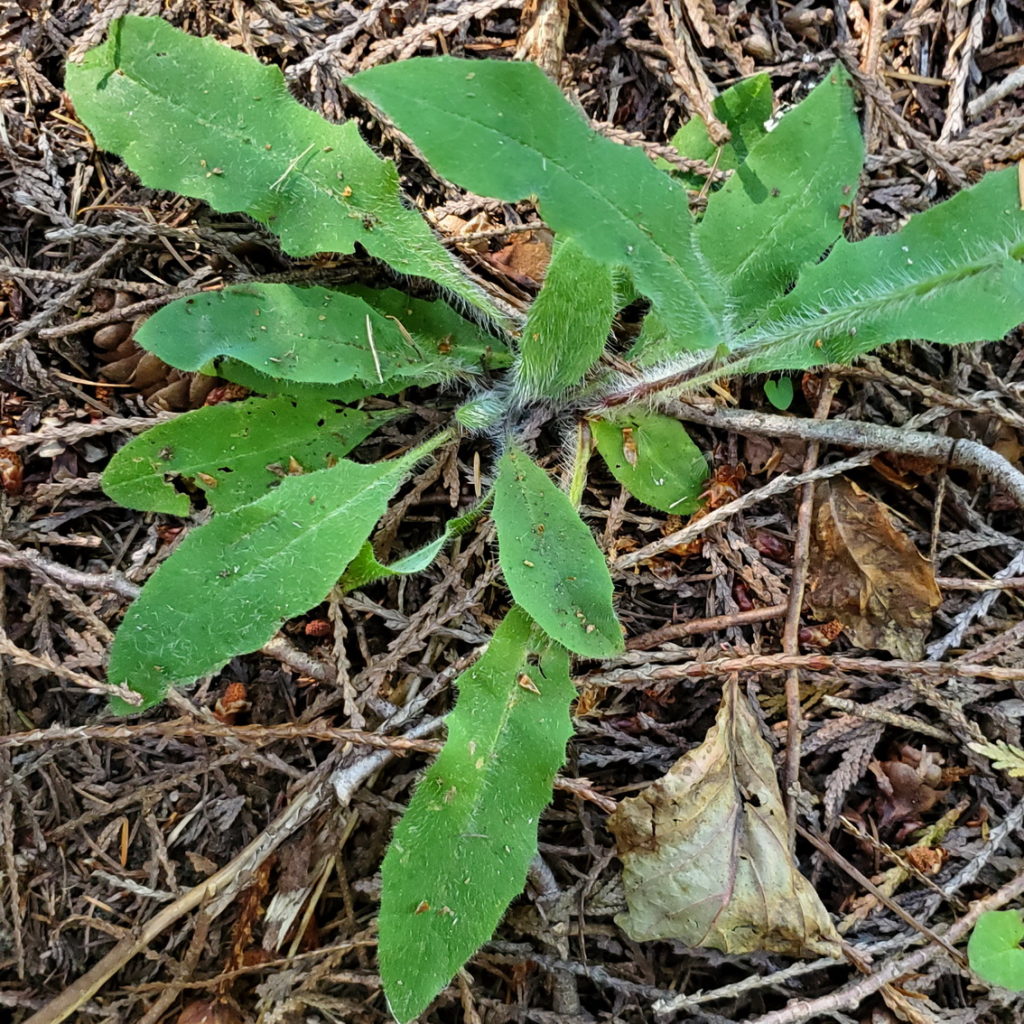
(693, 627)
(955, 452)
(808, 662)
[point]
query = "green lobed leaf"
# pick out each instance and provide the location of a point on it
(654, 458)
(232, 581)
(743, 108)
(317, 335)
(994, 949)
(551, 561)
(461, 852)
(953, 274)
(196, 117)
(567, 325)
(784, 205)
(234, 452)
(519, 137)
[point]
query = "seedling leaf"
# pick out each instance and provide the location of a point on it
(653, 457)
(779, 392)
(567, 324)
(193, 116)
(232, 581)
(994, 949)
(234, 452)
(551, 562)
(519, 137)
(461, 852)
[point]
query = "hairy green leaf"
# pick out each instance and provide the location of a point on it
(994, 949)
(316, 335)
(567, 324)
(743, 109)
(461, 852)
(653, 457)
(198, 118)
(551, 562)
(518, 137)
(784, 205)
(232, 581)
(235, 452)
(953, 274)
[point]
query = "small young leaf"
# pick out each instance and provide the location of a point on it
(551, 562)
(232, 581)
(461, 852)
(779, 392)
(743, 109)
(519, 137)
(567, 324)
(196, 117)
(783, 206)
(235, 452)
(315, 335)
(994, 949)
(653, 457)
(365, 568)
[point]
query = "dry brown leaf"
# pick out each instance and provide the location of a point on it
(526, 256)
(868, 575)
(705, 856)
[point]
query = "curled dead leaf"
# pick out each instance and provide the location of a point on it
(705, 854)
(867, 574)
(907, 788)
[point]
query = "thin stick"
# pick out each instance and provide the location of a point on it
(955, 452)
(712, 624)
(791, 630)
(861, 879)
(808, 662)
(780, 485)
(183, 728)
(893, 718)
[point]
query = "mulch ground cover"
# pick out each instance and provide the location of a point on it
(218, 859)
